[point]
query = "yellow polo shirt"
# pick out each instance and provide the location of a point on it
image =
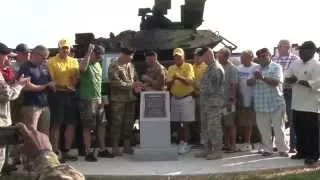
(63, 70)
(178, 88)
(199, 70)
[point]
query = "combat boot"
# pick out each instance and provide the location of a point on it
(204, 152)
(127, 147)
(115, 148)
(214, 155)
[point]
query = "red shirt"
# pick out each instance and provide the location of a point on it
(8, 74)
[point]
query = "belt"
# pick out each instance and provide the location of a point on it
(182, 97)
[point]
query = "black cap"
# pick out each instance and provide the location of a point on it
(22, 48)
(4, 49)
(203, 51)
(308, 45)
(127, 51)
(150, 53)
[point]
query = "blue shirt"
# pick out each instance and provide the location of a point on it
(39, 75)
(268, 98)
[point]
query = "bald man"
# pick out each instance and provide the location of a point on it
(285, 59)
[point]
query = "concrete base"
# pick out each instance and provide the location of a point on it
(156, 154)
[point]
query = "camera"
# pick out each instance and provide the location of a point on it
(10, 136)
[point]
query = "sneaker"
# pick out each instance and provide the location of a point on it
(105, 154)
(258, 147)
(246, 147)
(90, 157)
(183, 148)
(66, 156)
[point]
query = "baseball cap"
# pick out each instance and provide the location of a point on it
(22, 48)
(6, 51)
(127, 51)
(178, 51)
(64, 43)
(308, 45)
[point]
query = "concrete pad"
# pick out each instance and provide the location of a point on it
(156, 154)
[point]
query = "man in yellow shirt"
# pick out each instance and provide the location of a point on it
(199, 68)
(64, 70)
(180, 83)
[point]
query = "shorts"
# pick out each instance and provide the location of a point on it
(228, 119)
(182, 109)
(41, 115)
(246, 117)
(92, 114)
(63, 107)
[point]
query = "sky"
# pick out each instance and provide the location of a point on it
(250, 24)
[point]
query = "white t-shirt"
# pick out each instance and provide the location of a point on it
(245, 90)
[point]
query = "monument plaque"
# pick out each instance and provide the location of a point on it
(155, 106)
(155, 138)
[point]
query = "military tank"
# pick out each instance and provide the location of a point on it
(160, 34)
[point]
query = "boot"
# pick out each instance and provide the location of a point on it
(127, 147)
(115, 148)
(212, 155)
(204, 152)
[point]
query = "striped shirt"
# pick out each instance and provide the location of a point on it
(268, 98)
(285, 62)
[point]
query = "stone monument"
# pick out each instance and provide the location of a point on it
(155, 141)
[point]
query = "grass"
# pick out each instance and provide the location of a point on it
(278, 174)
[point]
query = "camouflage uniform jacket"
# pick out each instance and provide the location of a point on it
(7, 93)
(155, 77)
(49, 167)
(121, 78)
(212, 86)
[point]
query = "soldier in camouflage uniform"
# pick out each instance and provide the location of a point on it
(47, 166)
(212, 103)
(155, 76)
(123, 83)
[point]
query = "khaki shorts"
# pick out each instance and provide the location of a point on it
(246, 117)
(183, 109)
(37, 116)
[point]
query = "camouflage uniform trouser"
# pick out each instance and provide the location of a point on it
(123, 118)
(211, 128)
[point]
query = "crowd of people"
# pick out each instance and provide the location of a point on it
(215, 97)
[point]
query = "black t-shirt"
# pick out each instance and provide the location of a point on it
(39, 75)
